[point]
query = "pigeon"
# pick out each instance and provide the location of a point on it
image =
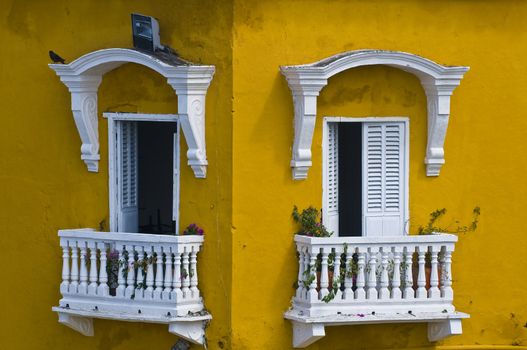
(56, 58)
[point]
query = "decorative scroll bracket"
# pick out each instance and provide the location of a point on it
(305, 102)
(191, 91)
(83, 91)
(306, 81)
(190, 82)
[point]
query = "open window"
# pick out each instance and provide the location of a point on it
(144, 173)
(365, 176)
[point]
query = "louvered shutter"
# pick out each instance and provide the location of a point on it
(383, 179)
(331, 205)
(127, 220)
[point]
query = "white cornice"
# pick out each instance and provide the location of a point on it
(306, 81)
(190, 82)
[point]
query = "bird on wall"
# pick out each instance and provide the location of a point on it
(56, 58)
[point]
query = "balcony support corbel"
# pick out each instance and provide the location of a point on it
(305, 334)
(83, 325)
(193, 331)
(441, 330)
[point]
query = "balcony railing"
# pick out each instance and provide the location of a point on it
(353, 280)
(131, 277)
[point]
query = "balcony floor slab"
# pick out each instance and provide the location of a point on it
(308, 329)
(191, 327)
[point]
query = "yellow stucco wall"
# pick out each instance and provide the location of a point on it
(248, 265)
(45, 185)
(485, 153)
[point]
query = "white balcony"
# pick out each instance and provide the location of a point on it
(131, 277)
(397, 279)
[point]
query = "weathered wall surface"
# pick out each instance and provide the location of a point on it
(485, 153)
(44, 184)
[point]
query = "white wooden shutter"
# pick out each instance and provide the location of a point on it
(128, 219)
(175, 181)
(383, 176)
(331, 202)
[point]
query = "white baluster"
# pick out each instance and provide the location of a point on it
(83, 286)
(185, 275)
(446, 275)
(194, 273)
(434, 291)
(121, 283)
(301, 269)
(324, 274)
(396, 292)
(312, 294)
(360, 293)
(408, 292)
(336, 274)
(371, 283)
(177, 294)
(348, 278)
(168, 273)
(307, 273)
(74, 284)
(140, 283)
(103, 289)
(421, 278)
(149, 291)
(92, 288)
(158, 273)
(384, 292)
(130, 274)
(64, 286)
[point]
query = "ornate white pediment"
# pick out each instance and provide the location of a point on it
(306, 81)
(190, 82)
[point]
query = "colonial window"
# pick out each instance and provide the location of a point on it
(365, 193)
(144, 163)
(144, 196)
(366, 176)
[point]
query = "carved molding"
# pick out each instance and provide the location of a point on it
(190, 82)
(306, 81)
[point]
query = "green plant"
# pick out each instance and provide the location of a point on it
(310, 224)
(433, 226)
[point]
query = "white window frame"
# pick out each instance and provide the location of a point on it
(406, 165)
(113, 169)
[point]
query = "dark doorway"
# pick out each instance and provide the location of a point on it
(155, 176)
(350, 179)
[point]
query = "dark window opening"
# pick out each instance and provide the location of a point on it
(350, 179)
(155, 176)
